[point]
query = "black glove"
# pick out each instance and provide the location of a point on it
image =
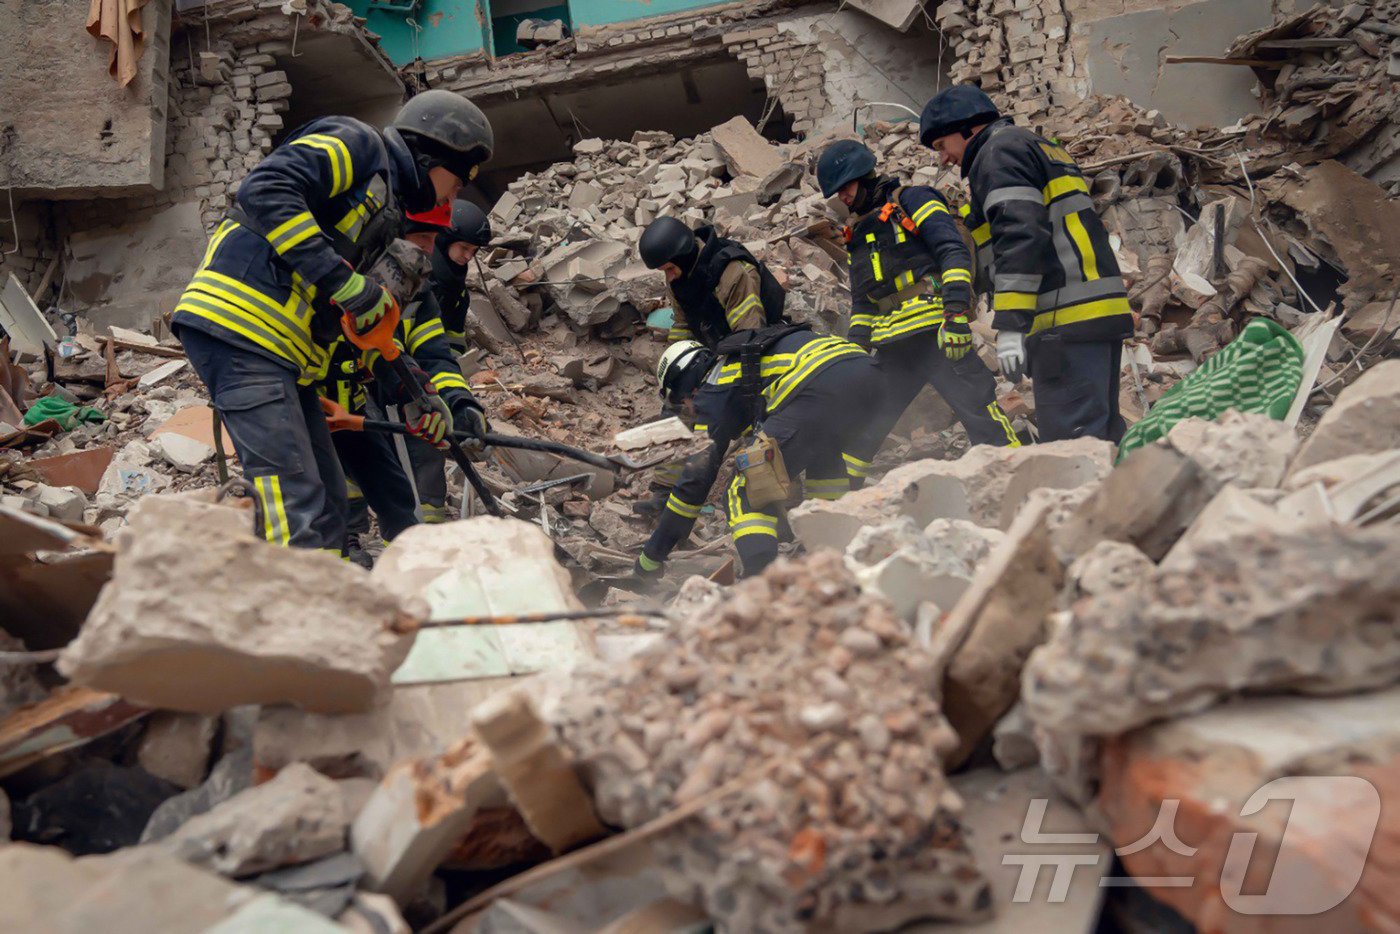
(468, 416)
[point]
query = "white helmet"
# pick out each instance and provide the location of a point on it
(676, 360)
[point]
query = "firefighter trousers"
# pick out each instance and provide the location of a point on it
(826, 435)
(430, 479)
(966, 385)
(372, 464)
(282, 441)
(1081, 401)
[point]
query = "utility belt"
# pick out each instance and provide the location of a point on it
(925, 289)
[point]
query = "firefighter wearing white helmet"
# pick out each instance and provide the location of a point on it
(795, 402)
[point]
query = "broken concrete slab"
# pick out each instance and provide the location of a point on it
(482, 567)
(1216, 775)
(659, 432)
(987, 485)
(536, 771)
(418, 814)
(237, 620)
(133, 891)
(745, 152)
(1365, 419)
(1312, 610)
(30, 333)
(351, 745)
(296, 817)
(1241, 449)
(934, 565)
(183, 453)
(64, 503)
(984, 642)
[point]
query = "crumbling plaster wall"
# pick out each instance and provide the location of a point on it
(859, 60)
(1038, 56)
(69, 130)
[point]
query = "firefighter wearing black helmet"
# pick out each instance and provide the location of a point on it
(717, 284)
(1061, 307)
(283, 268)
(469, 231)
(911, 288)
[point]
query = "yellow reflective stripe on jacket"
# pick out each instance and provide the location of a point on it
(927, 211)
(956, 274)
(342, 169)
(809, 359)
(1088, 261)
(681, 508)
(982, 234)
(448, 380)
(904, 326)
(1064, 185)
(204, 306)
(864, 321)
(874, 259)
(289, 233)
(425, 332)
(737, 313)
(1074, 314)
(288, 320)
(1014, 301)
(771, 365)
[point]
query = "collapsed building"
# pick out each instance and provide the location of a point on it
(980, 648)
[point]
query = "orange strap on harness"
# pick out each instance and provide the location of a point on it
(904, 220)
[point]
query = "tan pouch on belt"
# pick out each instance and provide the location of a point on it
(765, 477)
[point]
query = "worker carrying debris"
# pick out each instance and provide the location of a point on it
(1060, 306)
(283, 270)
(798, 401)
(718, 286)
(911, 288)
(469, 231)
(373, 462)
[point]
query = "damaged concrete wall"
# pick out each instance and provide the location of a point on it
(1124, 55)
(72, 131)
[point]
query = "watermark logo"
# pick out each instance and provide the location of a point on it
(1294, 885)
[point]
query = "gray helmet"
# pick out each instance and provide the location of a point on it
(446, 129)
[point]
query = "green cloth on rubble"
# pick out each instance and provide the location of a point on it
(62, 411)
(1258, 372)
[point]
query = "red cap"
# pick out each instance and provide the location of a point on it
(439, 216)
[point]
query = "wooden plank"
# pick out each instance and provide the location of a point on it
(67, 719)
(1221, 60)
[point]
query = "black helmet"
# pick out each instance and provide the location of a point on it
(955, 110)
(469, 225)
(666, 240)
(446, 129)
(841, 163)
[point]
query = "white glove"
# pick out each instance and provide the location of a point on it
(1011, 354)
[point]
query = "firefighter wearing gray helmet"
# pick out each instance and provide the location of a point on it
(910, 293)
(1060, 304)
(282, 270)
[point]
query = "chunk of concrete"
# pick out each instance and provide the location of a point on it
(482, 567)
(1242, 449)
(745, 152)
(349, 745)
(933, 566)
(1231, 511)
(176, 746)
(201, 616)
(132, 891)
(65, 503)
(296, 817)
(182, 453)
(536, 771)
(1222, 777)
(1365, 419)
(418, 814)
(1313, 610)
(992, 629)
(987, 485)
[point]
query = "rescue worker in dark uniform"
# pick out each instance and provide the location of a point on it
(911, 290)
(814, 396)
(281, 271)
(1061, 307)
(469, 231)
(374, 469)
(718, 286)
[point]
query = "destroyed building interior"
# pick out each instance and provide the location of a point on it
(1049, 686)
